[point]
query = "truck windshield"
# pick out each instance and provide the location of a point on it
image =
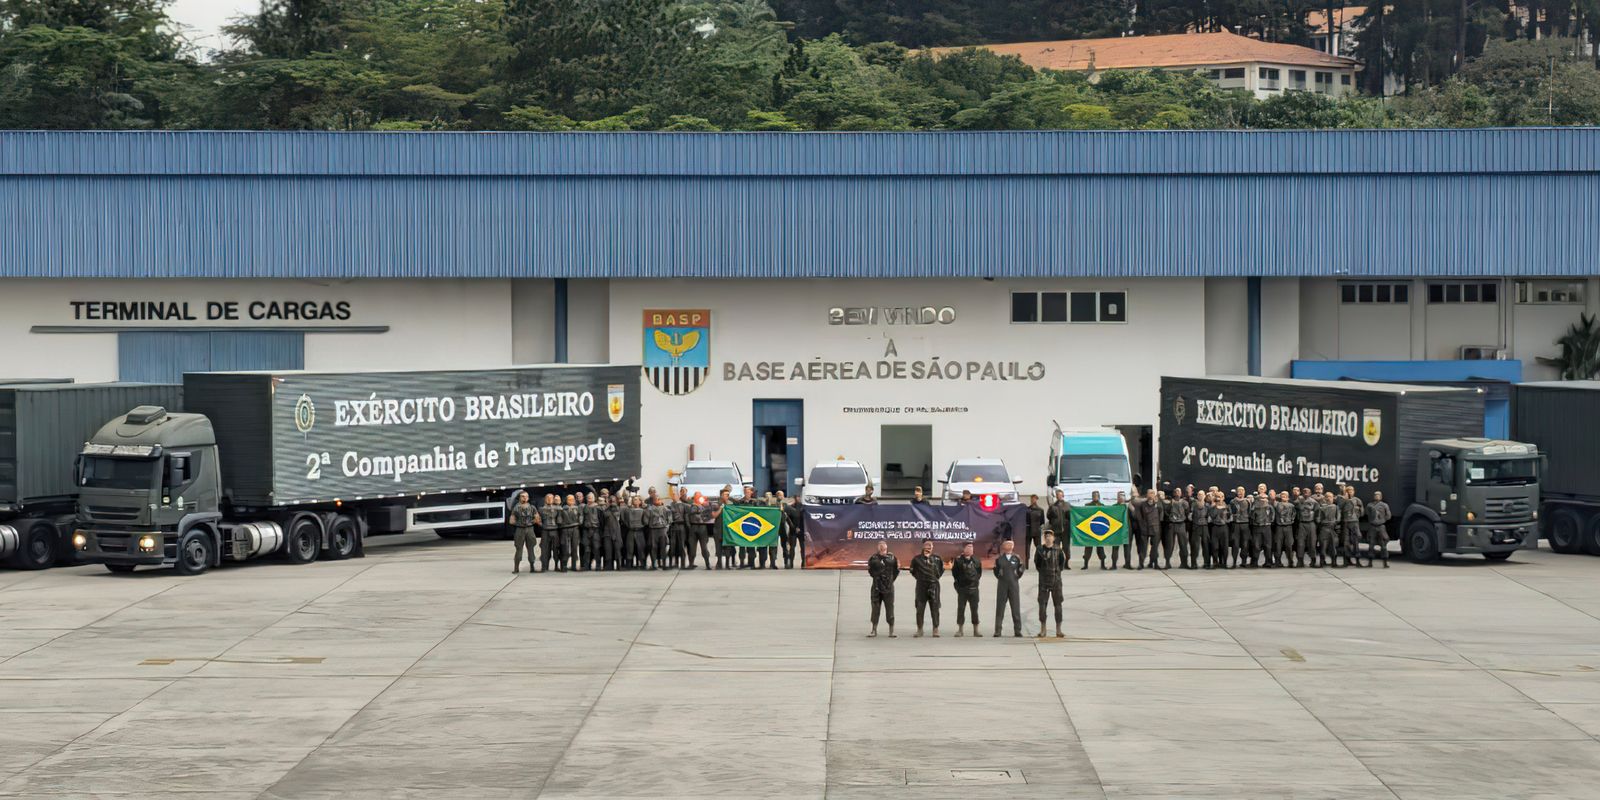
(1501, 472)
(836, 476)
(118, 473)
(1094, 469)
(979, 473)
(711, 476)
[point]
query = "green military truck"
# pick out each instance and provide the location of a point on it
(1450, 490)
(305, 465)
(42, 424)
(1563, 419)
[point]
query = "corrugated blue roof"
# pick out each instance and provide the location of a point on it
(1002, 204)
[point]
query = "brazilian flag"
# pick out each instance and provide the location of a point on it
(1099, 526)
(751, 526)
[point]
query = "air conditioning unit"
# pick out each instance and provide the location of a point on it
(1482, 352)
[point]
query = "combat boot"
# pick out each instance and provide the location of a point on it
(959, 631)
(918, 634)
(874, 633)
(975, 631)
(1059, 634)
(935, 633)
(891, 633)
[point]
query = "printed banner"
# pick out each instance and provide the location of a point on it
(751, 526)
(844, 537)
(1099, 526)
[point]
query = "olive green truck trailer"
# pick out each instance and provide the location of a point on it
(43, 424)
(1563, 419)
(305, 465)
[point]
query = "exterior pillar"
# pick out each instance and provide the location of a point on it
(560, 316)
(1253, 316)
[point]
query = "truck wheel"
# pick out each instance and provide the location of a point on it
(194, 553)
(301, 545)
(1564, 531)
(1496, 556)
(344, 536)
(1590, 543)
(37, 550)
(120, 569)
(1421, 543)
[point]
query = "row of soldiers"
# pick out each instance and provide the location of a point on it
(1292, 528)
(632, 531)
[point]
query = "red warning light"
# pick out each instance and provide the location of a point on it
(989, 502)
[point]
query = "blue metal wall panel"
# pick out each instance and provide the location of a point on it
(1360, 203)
(163, 356)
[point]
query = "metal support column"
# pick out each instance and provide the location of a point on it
(1253, 314)
(560, 316)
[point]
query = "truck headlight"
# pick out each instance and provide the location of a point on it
(80, 541)
(147, 542)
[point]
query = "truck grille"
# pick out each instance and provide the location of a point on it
(114, 542)
(111, 514)
(1507, 509)
(833, 501)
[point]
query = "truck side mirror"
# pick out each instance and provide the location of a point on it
(799, 481)
(1050, 480)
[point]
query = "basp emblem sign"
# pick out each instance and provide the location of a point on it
(677, 349)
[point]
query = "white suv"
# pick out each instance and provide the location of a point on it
(708, 478)
(836, 483)
(980, 476)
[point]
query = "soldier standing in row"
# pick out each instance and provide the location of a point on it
(1378, 516)
(678, 530)
(1305, 528)
(657, 518)
(1049, 561)
(610, 533)
(1357, 513)
(569, 520)
(1127, 541)
(794, 533)
(927, 568)
(1147, 516)
(1200, 539)
(1327, 530)
(1094, 500)
(1261, 516)
(1176, 513)
(724, 550)
(634, 523)
(523, 519)
(967, 570)
(769, 554)
(1282, 530)
(885, 570)
(549, 532)
(1036, 522)
(1008, 571)
(589, 549)
(1223, 532)
(699, 520)
(1238, 528)
(1058, 516)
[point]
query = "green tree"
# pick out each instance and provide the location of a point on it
(1580, 351)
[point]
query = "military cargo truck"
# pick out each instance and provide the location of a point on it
(1451, 491)
(306, 464)
(42, 426)
(1563, 419)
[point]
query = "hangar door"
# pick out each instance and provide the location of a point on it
(163, 357)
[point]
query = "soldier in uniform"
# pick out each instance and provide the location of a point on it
(1058, 516)
(1147, 527)
(549, 532)
(1327, 530)
(711, 516)
(794, 532)
(589, 544)
(1200, 543)
(1261, 517)
(523, 519)
(1378, 516)
(1176, 514)
(633, 522)
(1350, 518)
(747, 555)
(657, 519)
(1222, 532)
(1282, 530)
(769, 554)
(967, 570)
(1094, 500)
(610, 533)
(885, 570)
(1008, 571)
(678, 531)
(927, 569)
(1239, 530)
(724, 550)
(1305, 528)
(698, 517)
(1049, 561)
(571, 517)
(918, 498)
(1036, 521)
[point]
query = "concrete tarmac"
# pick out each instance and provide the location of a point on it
(428, 670)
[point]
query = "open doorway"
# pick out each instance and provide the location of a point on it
(1141, 453)
(778, 452)
(907, 453)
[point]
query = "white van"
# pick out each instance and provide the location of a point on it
(1088, 460)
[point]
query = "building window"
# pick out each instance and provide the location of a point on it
(1053, 307)
(1084, 307)
(1551, 292)
(1233, 73)
(1325, 77)
(1113, 306)
(1268, 73)
(1344, 80)
(1024, 307)
(1364, 293)
(1464, 292)
(1297, 76)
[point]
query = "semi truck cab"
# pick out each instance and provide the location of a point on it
(149, 492)
(1473, 496)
